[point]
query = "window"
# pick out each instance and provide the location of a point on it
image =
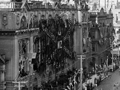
(24, 46)
(17, 0)
(93, 35)
(35, 44)
(93, 47)
(23, 24)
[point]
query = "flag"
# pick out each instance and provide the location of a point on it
(116, 18)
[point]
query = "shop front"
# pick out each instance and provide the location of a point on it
(116, 57)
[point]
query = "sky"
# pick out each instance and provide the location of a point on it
(33, 0)
(5, 0)
(70, 2)
(102, 2)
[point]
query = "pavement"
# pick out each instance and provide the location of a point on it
(110, 83)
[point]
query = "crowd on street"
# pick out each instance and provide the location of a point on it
(70, 80)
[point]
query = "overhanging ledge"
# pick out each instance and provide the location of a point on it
(18, 32)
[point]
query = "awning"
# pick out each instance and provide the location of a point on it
(115, 51)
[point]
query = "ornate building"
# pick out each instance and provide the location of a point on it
(101, 34)
(38, 41)
(116, 21)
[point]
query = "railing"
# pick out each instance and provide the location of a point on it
(24, 30)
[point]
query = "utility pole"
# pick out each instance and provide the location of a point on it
(81, 72)
(81, 48)
(112, 56)
(79, 38)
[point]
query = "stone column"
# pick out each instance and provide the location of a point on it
(16, 55)
(80, 45)
(2, 73)
(2, 77)
(30, 64)
(78, 40)
(31, 51)
(80, 16)
(31, 44)
(14, 64)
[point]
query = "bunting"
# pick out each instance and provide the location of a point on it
(55, 43)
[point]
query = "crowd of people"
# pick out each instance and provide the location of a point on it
(65, 81)
(70, 79)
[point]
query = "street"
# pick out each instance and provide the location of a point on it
(108, 83)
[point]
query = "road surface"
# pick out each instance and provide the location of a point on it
(108, 83)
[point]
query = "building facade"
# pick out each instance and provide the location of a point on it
(116, 21)
(101, 34)
(37, 41)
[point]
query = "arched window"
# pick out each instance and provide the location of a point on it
(23, 57)
(35, 21)
(36, 44)
(31, 23)
(23, 24)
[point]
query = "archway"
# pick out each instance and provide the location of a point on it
(35, 21)
(23, 45)
(30, 23)
(23, 23)
(35, 44)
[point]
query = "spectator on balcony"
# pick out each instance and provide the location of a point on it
(42, 23)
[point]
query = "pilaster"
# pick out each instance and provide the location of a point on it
(16, 57)
(31, 44)
(2, 77)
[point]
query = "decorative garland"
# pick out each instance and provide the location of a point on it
(56, 42)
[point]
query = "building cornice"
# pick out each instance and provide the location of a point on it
(18, 32)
